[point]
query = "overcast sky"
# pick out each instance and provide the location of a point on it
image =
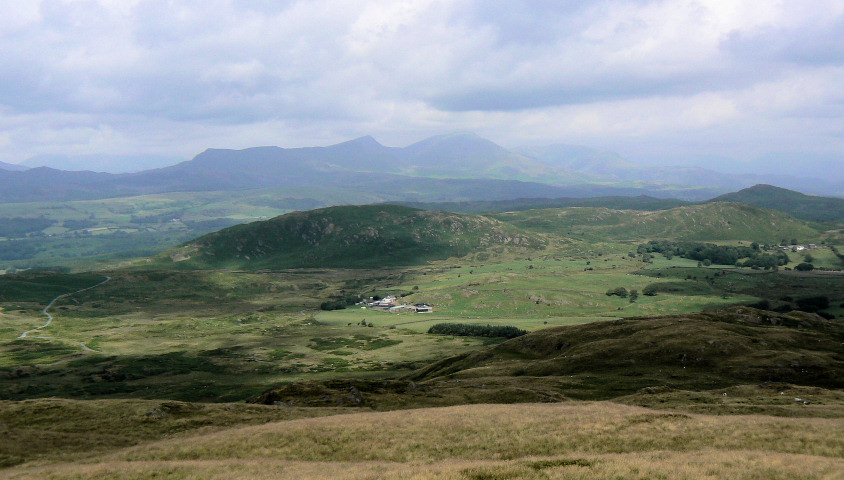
(651, 80)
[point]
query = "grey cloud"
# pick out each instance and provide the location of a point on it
(265, 71)
(816, 45)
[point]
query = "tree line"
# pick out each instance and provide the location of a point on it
(468, 330)
(708, 253)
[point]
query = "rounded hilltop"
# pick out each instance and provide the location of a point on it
(367, 236)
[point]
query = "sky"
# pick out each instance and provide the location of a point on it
(656, 81)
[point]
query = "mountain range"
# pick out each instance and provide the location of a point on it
(609, 166)
(12, 167)
(454, 167)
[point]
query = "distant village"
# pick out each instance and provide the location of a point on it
(391, 304)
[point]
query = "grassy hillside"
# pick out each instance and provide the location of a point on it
(350, 237)
(559, 441)
(712, 221)
(692, 351)
(809, 207)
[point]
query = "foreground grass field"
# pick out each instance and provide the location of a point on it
(563, 440)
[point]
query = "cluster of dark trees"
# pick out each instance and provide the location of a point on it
(632, 294)
(709, 253)
(816, 304)
(467, 330)
(340, 302)
(617, 291)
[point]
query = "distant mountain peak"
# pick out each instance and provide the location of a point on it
(365, 141)
(456, 140)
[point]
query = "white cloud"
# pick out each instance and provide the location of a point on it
(117, 76)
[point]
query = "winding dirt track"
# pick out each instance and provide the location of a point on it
(46, 312)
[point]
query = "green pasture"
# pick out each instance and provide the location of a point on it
(532, 294)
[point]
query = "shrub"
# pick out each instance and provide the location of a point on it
(618, 291)
(761, 305)
(813, 304)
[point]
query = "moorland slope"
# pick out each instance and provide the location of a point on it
(710, 221)
(809, 207)
(692, 351)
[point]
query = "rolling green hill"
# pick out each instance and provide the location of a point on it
(809, 207)
(711, 221)
(349, 237)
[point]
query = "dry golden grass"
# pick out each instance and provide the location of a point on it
(565, 440)
(708, 464)
(504, 432)
(54, 428)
